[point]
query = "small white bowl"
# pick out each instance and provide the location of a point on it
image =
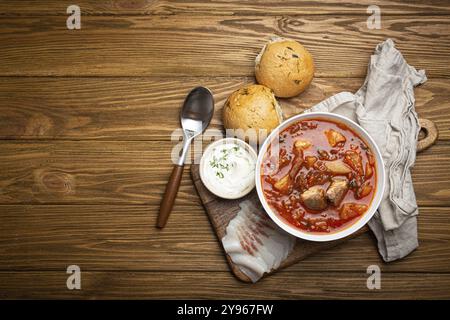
(380, 172)
(208, 150)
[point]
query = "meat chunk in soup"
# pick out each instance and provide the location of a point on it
(337, 167)
(314, 198)
(317, 178)
(337, 191)
(334, 137)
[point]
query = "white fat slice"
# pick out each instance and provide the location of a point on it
(255, 243)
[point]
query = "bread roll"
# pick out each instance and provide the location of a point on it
(285, 66)
(252, 107)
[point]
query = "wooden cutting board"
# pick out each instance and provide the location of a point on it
(222, 211)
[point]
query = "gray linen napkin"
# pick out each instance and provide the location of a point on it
(384, 106)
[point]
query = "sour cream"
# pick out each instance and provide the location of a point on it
(227, 168)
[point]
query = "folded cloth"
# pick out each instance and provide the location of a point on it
(384, 106)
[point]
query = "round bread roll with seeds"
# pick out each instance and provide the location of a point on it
(252, 107)
(285, 66)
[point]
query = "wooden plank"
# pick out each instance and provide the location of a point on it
(124, 237)
(136, 172)
(210, 45)
(234, 7)
(148, 108)
(289, 7)
(215, 285)
(106, 237)
(88, 172)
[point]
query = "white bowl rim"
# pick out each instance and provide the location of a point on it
(380, 171)
(238, 141)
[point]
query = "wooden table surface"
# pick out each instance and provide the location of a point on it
(86, 118)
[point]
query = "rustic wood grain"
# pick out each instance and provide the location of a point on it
(124, 237)
(148, 108)
(234, 7)
(94, 172)
(136, 172)
(201, 285)
(95, 203)
(210, 45)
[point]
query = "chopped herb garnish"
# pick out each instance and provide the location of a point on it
(213, 163)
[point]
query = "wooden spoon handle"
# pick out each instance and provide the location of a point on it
(429, 135)
(170, 195)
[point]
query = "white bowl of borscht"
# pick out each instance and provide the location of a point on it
(320, 176)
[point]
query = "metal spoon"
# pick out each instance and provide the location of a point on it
(196, 114)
